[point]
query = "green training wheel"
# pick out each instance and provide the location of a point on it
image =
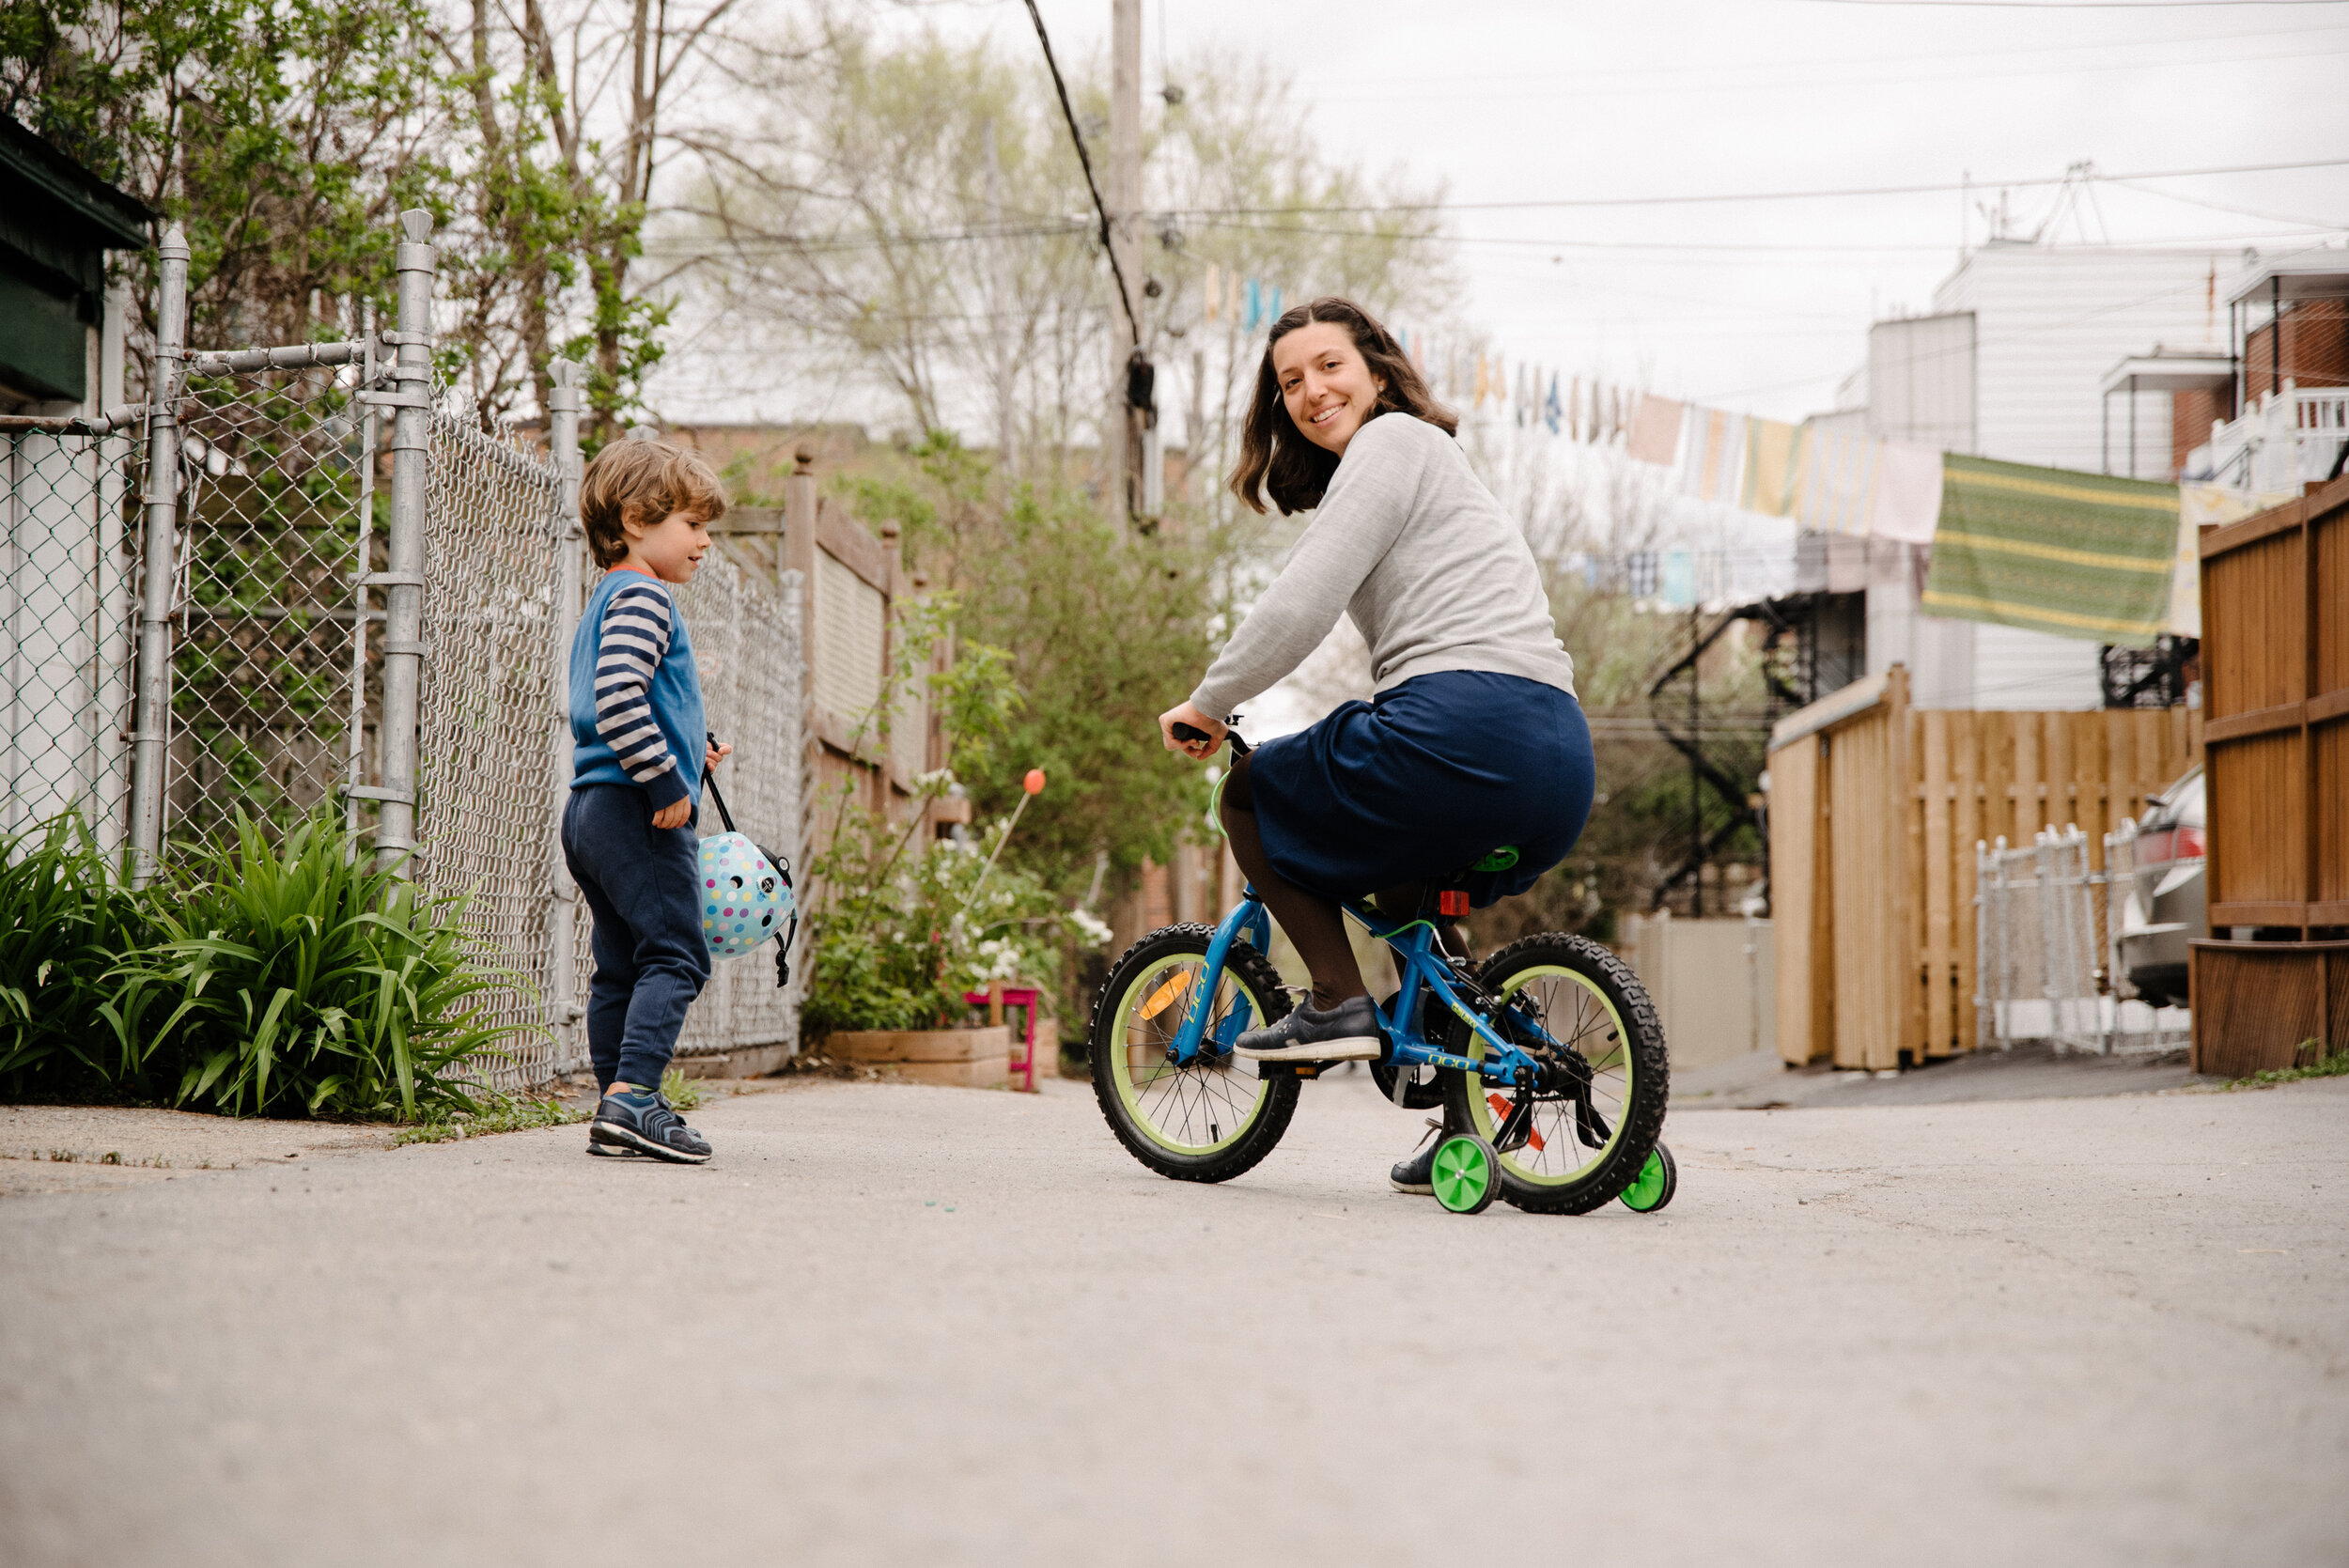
(1466, 1174)
(1653, 1187)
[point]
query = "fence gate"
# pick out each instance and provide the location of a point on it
(327, 579)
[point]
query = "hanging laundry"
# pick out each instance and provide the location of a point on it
(1768, 483)
(1656, 429)
(2201, 506)
(1213, 292)
(1231, 306)
(1714, 465)
(1255, 306)
(1551, 412)
(1834, 479)
(2079, 556)
(1574, 408)
(1274, 314)
(1677, 582)
(1639, 574)
(1907, 504)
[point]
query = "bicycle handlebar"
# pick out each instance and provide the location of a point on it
(1192, 732)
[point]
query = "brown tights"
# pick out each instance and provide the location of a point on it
(1315, 927)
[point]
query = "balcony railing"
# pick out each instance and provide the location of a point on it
(2280, 442)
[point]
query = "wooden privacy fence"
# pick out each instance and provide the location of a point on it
(2275, 680)
(2276, 684)
(1875, 809)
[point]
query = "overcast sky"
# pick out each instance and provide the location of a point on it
(1730, 301)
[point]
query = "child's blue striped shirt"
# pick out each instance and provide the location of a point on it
(636, 699)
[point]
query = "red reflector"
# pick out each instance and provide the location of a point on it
(2190, 844)
(1453, 900)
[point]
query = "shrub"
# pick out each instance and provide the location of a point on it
(70, 917)
(286, 979)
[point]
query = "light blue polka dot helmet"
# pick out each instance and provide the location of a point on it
(746, 896)
(745, 892)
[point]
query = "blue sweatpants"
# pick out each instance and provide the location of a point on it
(651, 961)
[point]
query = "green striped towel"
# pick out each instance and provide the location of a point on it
(2049, 549)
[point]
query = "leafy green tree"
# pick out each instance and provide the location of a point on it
(284, 134)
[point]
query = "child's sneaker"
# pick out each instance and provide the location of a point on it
(645, 1124)
(609, 1151)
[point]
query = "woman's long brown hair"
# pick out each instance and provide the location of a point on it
(1275, 457)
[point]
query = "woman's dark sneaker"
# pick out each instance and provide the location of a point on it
(645, 1124)
(1346, 1032)
(1418, 1174)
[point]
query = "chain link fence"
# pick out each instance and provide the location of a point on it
(2043, 930)
(65, 630)
(272, 477)
(748, 645)
(281, 597)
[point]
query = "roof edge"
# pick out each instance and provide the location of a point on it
(119, 218)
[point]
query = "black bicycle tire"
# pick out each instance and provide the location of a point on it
(1651, 1073)
(1254, 971)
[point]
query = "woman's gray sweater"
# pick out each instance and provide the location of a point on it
(1412, 545)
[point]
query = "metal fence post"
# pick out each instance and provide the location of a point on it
(564, 405)
(1984, 1020)
(151, 713)
(403, 599)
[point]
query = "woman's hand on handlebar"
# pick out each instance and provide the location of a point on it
(1183, 713)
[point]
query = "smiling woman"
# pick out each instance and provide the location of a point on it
(1471, 771)
(1323, 358)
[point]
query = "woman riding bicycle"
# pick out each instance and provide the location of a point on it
(1473, 741)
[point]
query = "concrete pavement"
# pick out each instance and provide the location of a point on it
(893, 1324)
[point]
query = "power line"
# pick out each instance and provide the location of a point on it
(1788, 79)
(1773, 68)
(2071, 5)
(1938, 189)
(1099, 207)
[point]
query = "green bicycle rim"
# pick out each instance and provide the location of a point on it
(1191, 1097)
(1461, 1175)
(1595, 1020)
(1648, 1185)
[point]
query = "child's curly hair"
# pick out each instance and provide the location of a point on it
(643, 482)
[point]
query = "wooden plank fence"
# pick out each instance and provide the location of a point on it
(1875, 809)
(2276, 670)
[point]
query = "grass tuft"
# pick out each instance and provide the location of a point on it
(683, 1093)
(2324, 1067)
(511, 1115)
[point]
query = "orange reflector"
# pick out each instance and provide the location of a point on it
(1500, 1113)
(1453, 900)
(1175, 988)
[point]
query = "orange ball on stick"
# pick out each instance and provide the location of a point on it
(1034, 782)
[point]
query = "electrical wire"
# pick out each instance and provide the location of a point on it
(1942, 188)
(1125, 296)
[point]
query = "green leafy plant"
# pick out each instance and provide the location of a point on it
(68, 917)
(2318, 1066)
(302, 979)
(904, 927)
(284, 977)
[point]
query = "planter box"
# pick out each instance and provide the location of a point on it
(2256, 1002)
(963, 1058)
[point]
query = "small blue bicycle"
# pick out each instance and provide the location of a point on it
(1549, 1053)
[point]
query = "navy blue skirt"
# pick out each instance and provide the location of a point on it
(1427, 779)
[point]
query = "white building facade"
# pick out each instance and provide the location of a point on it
(2011, 365)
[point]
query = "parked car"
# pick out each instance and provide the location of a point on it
(2167, 906)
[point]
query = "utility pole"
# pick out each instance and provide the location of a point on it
(1122, 433)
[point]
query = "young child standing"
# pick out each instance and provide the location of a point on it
(636, 770)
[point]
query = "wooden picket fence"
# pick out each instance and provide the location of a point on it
(1875, 809)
